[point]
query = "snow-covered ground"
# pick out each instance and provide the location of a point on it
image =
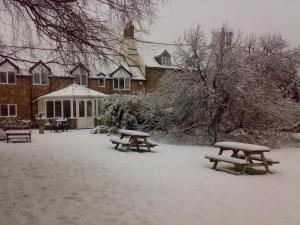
(78, 178)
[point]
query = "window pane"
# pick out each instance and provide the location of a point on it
(127, 83)
(11, 77)
(89, 108)
(12, 110)
(116, 83)
(74, 108)
(3, 110)
(77, 78)
(36, 78)
(95, 109)
(44, 78)
(57, 109)
(50, 108)
(3, 77)
(67, 108)
(101, 82)
(81, 109)
(83, 79)
(121, 83)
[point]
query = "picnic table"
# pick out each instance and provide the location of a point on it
(18, 135)
(136, 139)
(243, 156)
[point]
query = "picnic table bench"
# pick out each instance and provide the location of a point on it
(243, 156)
(18, 135)
(136, 139)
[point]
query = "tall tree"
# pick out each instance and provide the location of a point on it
(233, 83)
(71, 28)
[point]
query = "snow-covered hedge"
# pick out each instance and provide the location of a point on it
(129, 112)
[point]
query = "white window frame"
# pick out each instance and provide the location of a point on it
(7, 77)
(8, 110)
(80, 79)
(40, 75)
(118, 88)
(165, 61)
(103, 82)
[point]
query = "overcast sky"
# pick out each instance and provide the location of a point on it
(250, 16)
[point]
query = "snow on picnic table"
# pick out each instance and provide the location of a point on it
(78, 178)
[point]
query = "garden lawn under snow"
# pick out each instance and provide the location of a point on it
(78, 178)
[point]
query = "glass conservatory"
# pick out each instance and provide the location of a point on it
(76, 102)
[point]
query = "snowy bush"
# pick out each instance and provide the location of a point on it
(129, 112)
(100, 130)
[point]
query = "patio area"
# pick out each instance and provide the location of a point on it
(79, 178)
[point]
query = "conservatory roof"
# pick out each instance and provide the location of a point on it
(73, 91)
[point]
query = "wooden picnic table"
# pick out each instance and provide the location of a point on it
(243, 155)
(136, 140)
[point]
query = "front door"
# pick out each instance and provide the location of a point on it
(85, 119)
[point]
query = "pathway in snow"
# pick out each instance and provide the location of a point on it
(78, 178)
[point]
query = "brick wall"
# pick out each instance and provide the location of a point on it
(20, 94)
(153, 77)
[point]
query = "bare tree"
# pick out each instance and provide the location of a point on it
(71, 29)
(233, 83)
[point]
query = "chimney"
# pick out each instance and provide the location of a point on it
(129, 30)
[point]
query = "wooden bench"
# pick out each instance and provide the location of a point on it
(18, 136)
(118, 141)
(258, 158)
(221, 158)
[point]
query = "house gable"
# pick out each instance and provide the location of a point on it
(40, 67)
(121, 72)
(79, 69)
(6, 65)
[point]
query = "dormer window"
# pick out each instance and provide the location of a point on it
(40, 72)
(101, 80)
(81, 75)
(81, 78)
(165, 61)
(121, 79)
(8, 72)
(164, 58)
(40, 78)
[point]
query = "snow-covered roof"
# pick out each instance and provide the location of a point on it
(73, 90)
(149, 50)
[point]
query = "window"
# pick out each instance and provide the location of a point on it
(122, 83)
(7, 77)
(40, 78)
(58, 109)
(101, 82)
(81, 108)
(165, 61)
(50, 109)
(8, 110)
(81, 79)
(89, 109)
(67, 108)
(74, 108)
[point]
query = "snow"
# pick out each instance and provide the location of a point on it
(78, 178)
(149, 50)
(133, 133)
(73, 90)
(238, 145)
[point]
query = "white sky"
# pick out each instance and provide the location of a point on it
(250, 16)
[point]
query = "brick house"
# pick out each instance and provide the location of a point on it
(21, 84)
